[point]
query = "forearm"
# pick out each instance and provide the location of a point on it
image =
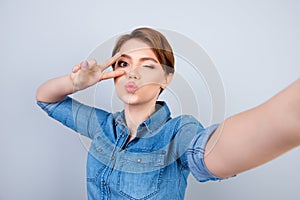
(256, 136)
(55, 89)
(284, 111)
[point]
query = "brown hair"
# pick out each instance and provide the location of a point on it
(158, 43)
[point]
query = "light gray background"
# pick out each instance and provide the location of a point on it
(254, 44)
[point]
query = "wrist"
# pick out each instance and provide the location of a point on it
(71, 83)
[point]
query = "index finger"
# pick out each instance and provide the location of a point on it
(112, 74)
(110, 61)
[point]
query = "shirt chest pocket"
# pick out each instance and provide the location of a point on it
(139, 175)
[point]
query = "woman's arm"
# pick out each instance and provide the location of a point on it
(55, 89)
(83, 75)
(256, 136)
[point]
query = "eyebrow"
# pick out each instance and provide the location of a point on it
(141, 59)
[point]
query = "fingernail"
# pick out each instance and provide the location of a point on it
(84, 64)
(76, 68)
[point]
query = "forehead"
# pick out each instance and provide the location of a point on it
(137, 47)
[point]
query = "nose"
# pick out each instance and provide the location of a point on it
(134, 74)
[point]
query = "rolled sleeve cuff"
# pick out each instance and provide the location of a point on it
(195, 156)
(47, 107)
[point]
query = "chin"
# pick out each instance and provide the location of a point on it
(130, 99)
(137, 98)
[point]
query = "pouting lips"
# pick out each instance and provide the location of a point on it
(131, 87)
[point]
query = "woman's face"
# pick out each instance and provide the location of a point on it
(144, 75)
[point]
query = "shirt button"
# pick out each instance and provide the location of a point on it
(100, 149)
(123, 135)
(112, 158)
(139, 160)
(103, 183)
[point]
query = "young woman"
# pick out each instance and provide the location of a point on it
(143, 153)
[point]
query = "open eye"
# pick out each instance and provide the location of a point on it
(122, 64)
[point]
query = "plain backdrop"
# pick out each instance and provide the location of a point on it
(254, 44)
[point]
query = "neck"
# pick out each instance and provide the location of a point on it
(136, 114)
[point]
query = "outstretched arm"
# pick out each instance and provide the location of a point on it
(256, 136)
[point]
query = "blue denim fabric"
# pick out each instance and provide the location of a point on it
(154, 165)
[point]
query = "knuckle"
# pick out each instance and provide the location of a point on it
(92, 62)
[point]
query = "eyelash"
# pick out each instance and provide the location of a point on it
(149, 66)
(120, 63)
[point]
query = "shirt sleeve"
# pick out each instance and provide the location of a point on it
(75, 115)
(195, 155)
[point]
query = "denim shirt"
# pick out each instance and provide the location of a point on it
(154, 165)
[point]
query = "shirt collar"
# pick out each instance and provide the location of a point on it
(154, 122)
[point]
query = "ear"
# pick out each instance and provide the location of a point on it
(168, 79)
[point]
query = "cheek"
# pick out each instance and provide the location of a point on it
(118, 83)
(154, 78)
(119, 78)
(149, 90)
(116, 80)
